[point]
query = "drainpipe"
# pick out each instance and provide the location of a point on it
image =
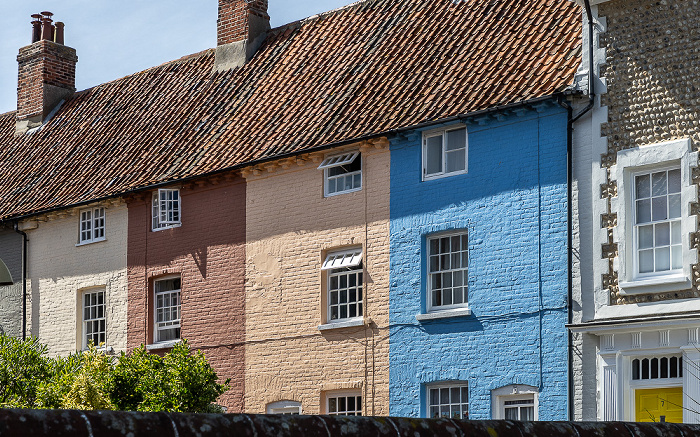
(591, 71)
(569, 201)
(24, 280)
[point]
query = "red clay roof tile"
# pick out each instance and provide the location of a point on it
(366, 69)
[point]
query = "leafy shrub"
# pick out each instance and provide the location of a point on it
(180, 381)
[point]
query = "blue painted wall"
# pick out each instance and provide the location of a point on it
(512, 201)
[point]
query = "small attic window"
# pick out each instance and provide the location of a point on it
(342, 173)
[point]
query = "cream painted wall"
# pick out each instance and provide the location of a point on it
(59, 271)
(290, 228)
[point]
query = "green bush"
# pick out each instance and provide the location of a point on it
(180, 381)
(23, 366)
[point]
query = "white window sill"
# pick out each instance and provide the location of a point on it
(338, 325)
(162, 345)
(85, 243)
(338, 193)
(166, 227)
(444, 314)
(443, 175)
(657, 284)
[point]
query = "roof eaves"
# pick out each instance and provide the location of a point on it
(391, 132)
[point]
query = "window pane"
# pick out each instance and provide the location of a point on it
(455, 161)
(434, 396)
(527, 413)
(434, 263)
(662, 234)
(447, 297)
(674, 206)
(646, 261)
(676, 257)
(673, 367)
(643, 211)
(658, 208)
(444, 395)
(674, 181)
(456, 139)
(676, 232)
(658, 184)
(646, 236)
(434, 246)
(662, 259)
(511, 414)
(433, 159)
(642, 186)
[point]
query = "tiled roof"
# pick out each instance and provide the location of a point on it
(365, 69)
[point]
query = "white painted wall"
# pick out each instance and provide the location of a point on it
(58, 270)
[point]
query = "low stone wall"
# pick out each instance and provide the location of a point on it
(60, 423)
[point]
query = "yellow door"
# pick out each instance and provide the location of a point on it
(651, 404)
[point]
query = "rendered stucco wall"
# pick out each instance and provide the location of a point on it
(512, 202)
(207, 251)
(11, 295)
(290, 228)
(58, 270)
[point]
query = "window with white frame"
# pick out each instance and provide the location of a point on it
(344, 404)
(94, 324)
(166, 208)
(345, 283)
(92, 225)
(449, 400)
(657, 221)
(522, 409)
(444, 152)
(654, 218)
(342, 173)
(448, 260)
(284, 408)
(167, 309)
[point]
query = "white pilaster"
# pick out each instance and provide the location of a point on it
(691, 384)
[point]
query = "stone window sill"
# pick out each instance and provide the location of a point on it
(85, 243)
(339, 325)
(659, 284)
(162, 345)
(446, 314)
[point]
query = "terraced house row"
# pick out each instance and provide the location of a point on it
(393, 208)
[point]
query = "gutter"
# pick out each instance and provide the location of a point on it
(426, 124)
(24, 280)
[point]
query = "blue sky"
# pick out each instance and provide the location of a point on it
(116, 38)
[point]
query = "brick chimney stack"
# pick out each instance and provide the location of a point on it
(241, 29)
(46, 73)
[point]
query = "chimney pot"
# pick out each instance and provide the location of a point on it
(36, 28)
(60, 32)
(47, 29)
